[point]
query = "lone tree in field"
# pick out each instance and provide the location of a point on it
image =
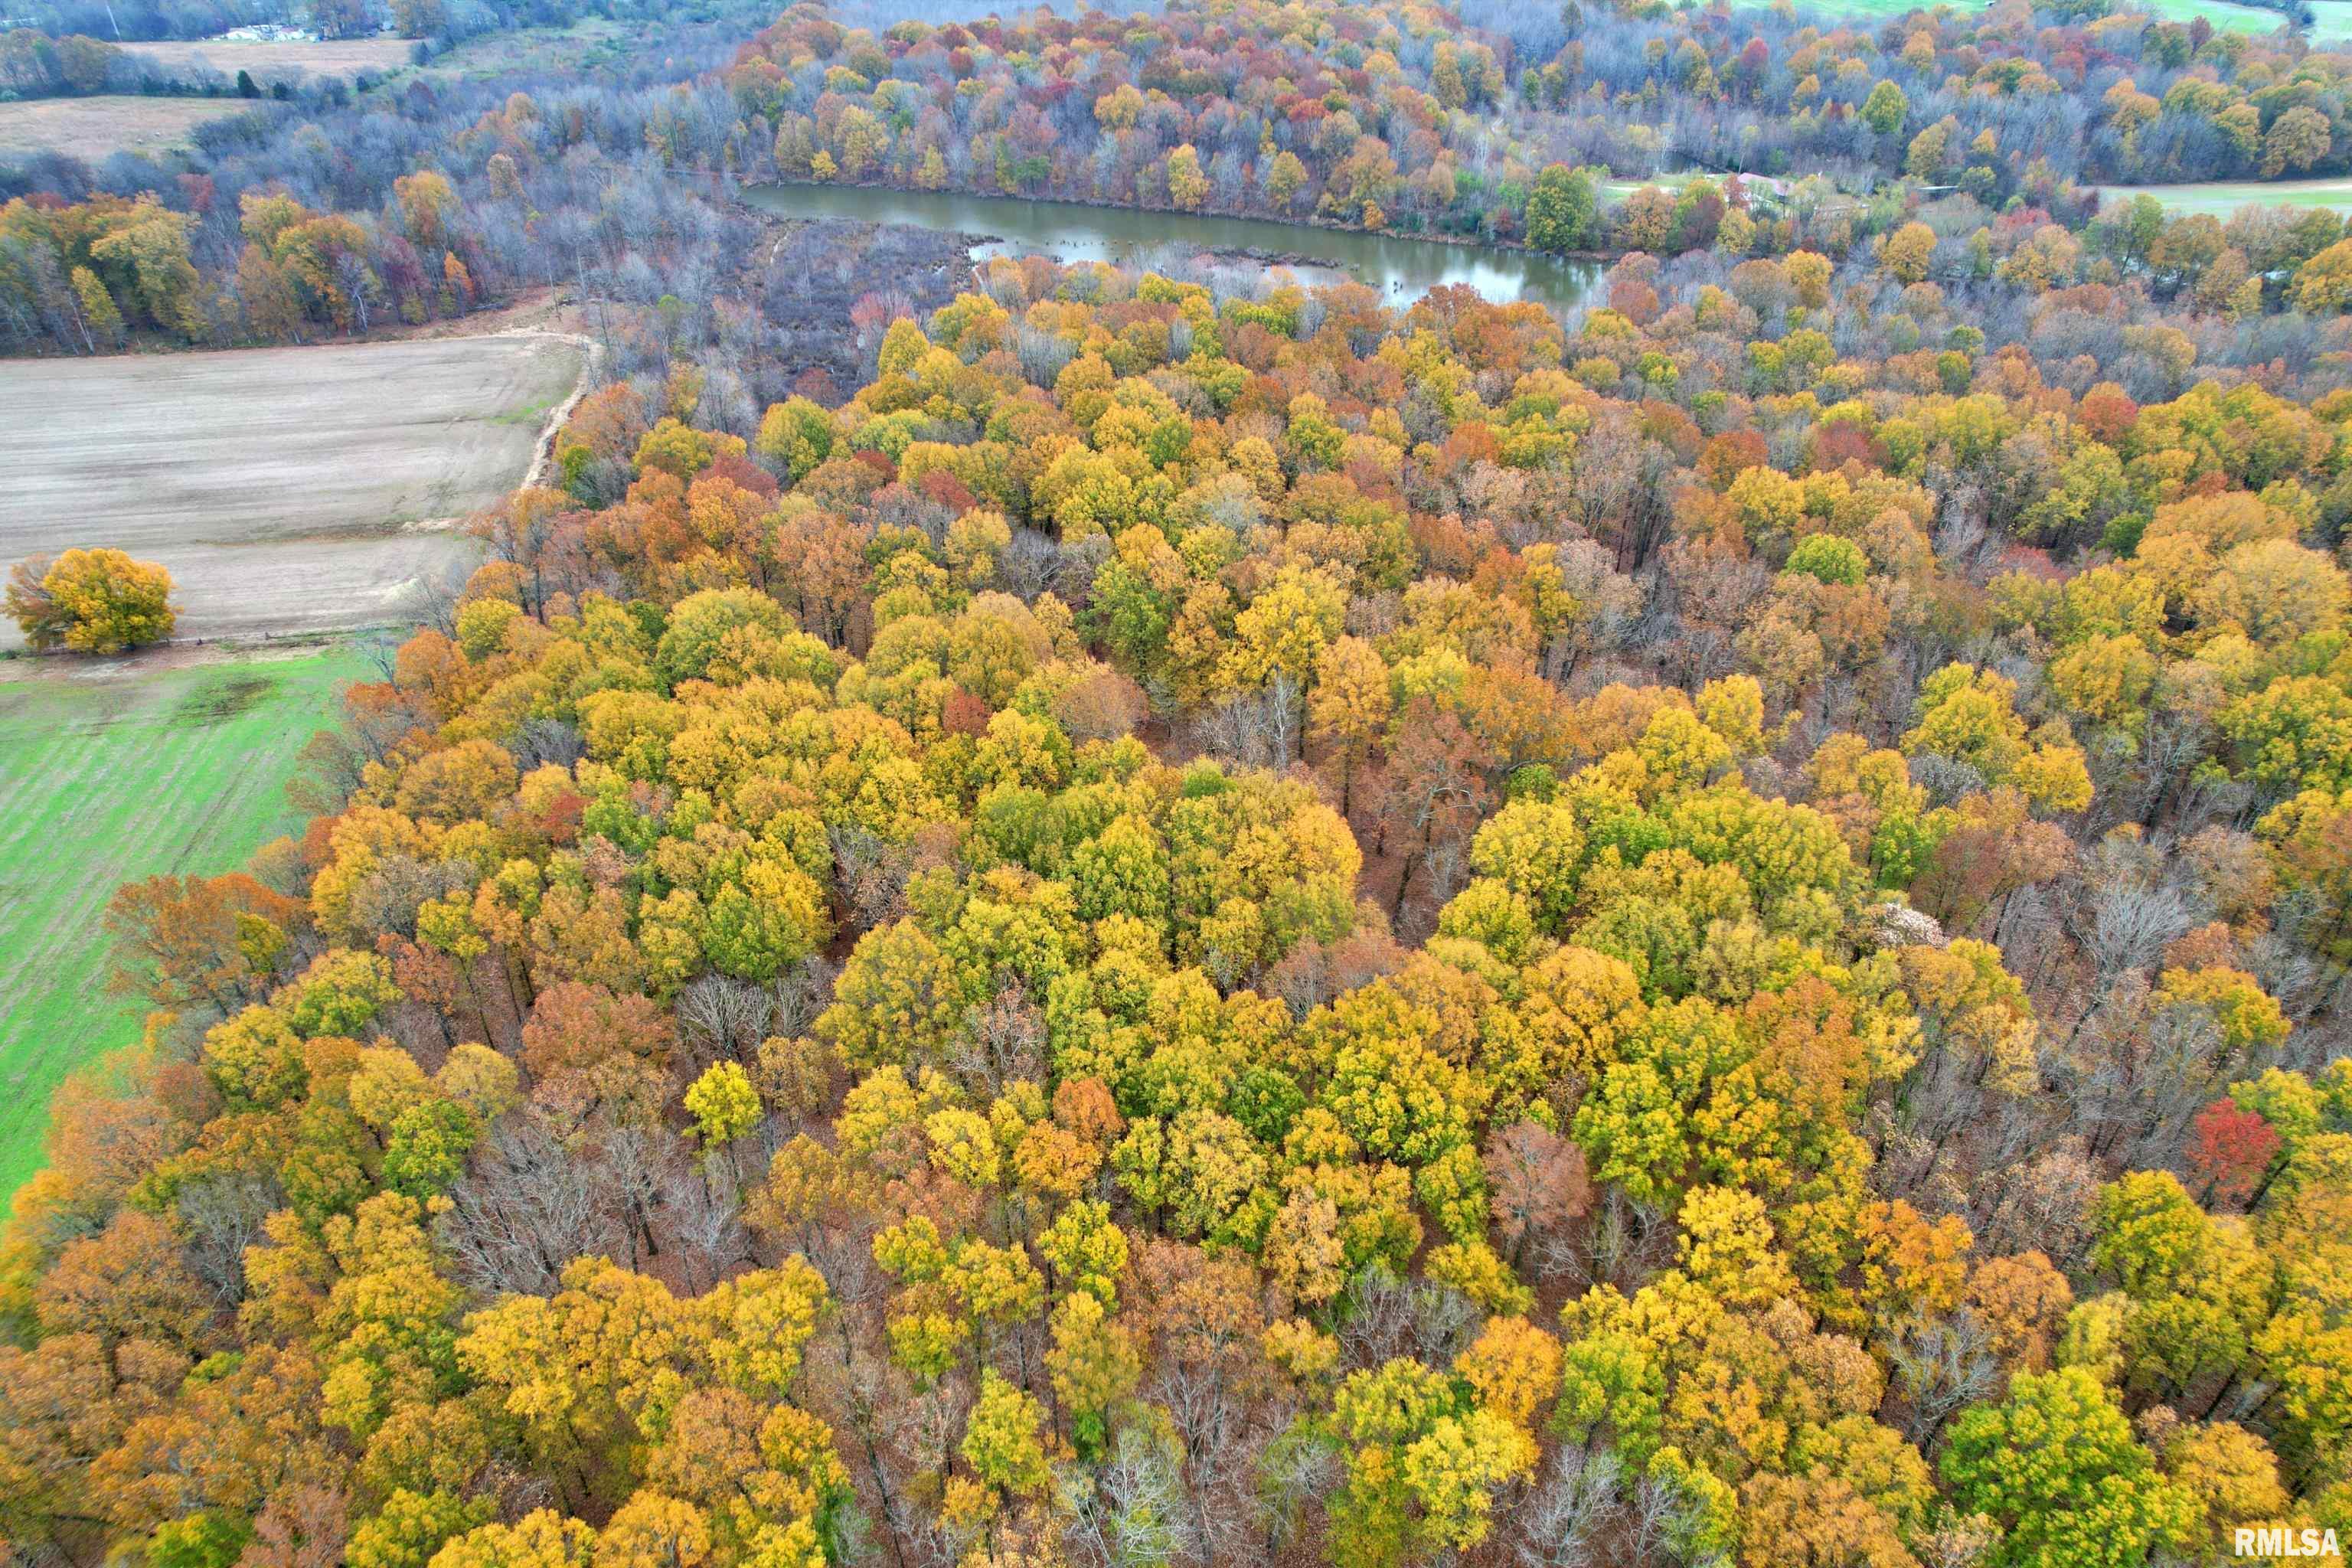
(91, 601)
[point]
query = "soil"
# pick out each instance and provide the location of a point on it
(288, 490)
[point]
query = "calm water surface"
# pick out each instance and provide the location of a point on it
(1070, 232)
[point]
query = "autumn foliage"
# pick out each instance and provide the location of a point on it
(90, 601)
(1221, 927)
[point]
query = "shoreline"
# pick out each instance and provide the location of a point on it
(1427, 237)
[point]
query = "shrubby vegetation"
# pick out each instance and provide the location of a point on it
(34, 65)
(1204, 928)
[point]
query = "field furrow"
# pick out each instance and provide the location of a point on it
(283, 487)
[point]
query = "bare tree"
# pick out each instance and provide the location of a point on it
(541, 741)
(1295, 1471)
(1939, 1365)
(705, 1213)
(1391, 1317)
(871, 873)
(800, 993)
(529, 1206)
(2044, 1202)
(2128, 924)
(1133, 1515)
(1002, 1041)
(634, 1160)
(1539, 1183)
(722, 1018)
(1579, 1498)
(359, 285)
(1257, 730)
(222, 1216)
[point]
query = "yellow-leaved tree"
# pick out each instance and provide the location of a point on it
(91, 601)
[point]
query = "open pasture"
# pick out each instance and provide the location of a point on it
(91, 129)
(2222, 15)
(112, 772)
(581, 46)
(197, 59)
(288, 490)
(2222, 197)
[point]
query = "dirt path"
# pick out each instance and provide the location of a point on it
(592, 362)
(543, 454)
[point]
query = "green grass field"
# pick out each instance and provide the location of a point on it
(2222, 197)
(2331, 21)
(1618, 190)
(2224, 17)
(111, 774)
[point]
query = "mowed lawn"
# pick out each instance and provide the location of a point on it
(110, 774)
(2222, 197)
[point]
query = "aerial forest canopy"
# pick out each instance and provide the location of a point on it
(1221, 929)
(1041, 914)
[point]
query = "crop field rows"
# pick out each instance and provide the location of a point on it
(299, 489)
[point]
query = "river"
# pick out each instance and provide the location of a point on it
(1398, 267)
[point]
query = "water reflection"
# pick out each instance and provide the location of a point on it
(1071, 232)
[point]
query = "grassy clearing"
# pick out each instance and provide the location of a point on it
(111, 774)
(1618, 190)
(194, 60)
(590, 41)
(92, 128)
(1868, 10)
(2223, 16)
(2222, 197)
(2331, 21)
